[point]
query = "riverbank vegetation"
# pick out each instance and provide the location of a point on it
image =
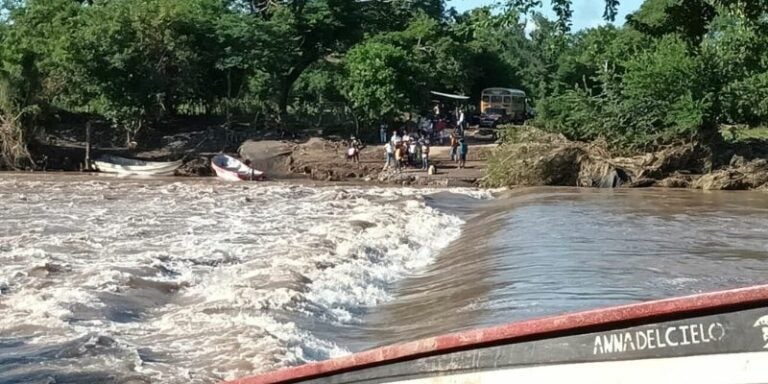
(677, 70)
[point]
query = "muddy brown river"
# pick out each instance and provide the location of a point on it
(541, 252)
(193, 281)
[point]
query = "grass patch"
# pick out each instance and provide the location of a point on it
(735, 133)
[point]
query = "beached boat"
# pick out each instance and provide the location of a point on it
(232, 169)
(716, 337)
(125, 166)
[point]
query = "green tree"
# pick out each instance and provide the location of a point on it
(32, 50)
(41, 31)
(294, 35)
(660, 96)
(377, 74)
(436, 60)
(736, 53)
(495, 49)
(138, 60)
(547, 45)
(690, 19)
(20, 105)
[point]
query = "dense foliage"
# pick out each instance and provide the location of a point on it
(677, 69)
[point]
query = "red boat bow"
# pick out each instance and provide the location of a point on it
(626, 315)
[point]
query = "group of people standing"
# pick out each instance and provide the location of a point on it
(433, 127)
(408, 150)
(411, 147)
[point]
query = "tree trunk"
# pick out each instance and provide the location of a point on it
(229, 98)
(357, 124)
(87, 166)
(287, 85)
(282, 103)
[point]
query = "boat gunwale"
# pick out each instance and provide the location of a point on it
(560, 325)
(115, 160)
(173, 165)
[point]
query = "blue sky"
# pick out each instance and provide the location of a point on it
(586, 13)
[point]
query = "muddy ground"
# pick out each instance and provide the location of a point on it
(323, 159)
(532, 158)
(313, 157)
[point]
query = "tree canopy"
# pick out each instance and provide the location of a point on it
(676, 69)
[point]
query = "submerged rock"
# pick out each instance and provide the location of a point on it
(677, 180)
(197, 167)
(642, 183)
(395, 177)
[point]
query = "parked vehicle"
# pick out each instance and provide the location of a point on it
(503, 105)
(494, 117)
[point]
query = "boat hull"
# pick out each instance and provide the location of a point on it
(735, 368)
(230, 169)
(712, 338)
(225, 174)
(124, 166)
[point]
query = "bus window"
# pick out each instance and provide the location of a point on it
(507, 100)
(486, 99)
(495, 99)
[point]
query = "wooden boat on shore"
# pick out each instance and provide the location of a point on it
(718, 337)
(231, 169)
(125, 166)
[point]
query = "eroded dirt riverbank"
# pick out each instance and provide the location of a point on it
(533, 158)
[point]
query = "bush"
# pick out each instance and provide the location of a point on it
(747, 100)
(660, 98)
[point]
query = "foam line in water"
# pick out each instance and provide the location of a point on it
(219, 280)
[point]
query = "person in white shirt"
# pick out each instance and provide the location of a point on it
(460, 123)
(390, 150)
(395, 138)
(412, 153)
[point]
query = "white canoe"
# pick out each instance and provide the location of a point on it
(231, 169)
(125, 166)
(718, 337)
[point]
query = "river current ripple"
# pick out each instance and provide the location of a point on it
(165, 281)
(108, 280)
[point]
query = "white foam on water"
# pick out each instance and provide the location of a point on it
(210, 281)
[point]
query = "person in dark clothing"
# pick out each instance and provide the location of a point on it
(463, 150)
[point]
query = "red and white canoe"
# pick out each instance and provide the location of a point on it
(719, 337)
(232, 169)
